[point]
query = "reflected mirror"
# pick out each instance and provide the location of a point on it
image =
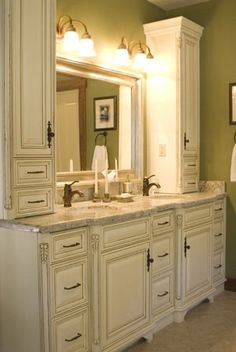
(83, 91)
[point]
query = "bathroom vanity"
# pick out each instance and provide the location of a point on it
(96, 277)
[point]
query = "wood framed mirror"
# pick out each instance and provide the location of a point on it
(232, 103)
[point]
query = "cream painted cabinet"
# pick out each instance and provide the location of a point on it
(173, 104)
(124, 293)
(194, 260)
(31, 64)
(123, 268)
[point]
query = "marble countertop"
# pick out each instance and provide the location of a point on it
(100, 213)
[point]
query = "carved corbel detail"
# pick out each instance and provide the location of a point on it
(179, 220)
(95, 242)
(44, 252)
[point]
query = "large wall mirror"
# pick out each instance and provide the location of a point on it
(84, 91)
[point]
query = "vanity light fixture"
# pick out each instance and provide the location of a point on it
(66, 32)
(138, 51)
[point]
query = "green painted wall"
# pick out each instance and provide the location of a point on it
(108, 21)
(98, 89)
(218, 69)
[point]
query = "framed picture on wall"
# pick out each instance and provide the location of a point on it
(105, 113)
(232, 103)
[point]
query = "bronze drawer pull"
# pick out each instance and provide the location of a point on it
(71, 245)
(219, 234)
(72, 287)
(163, 223)
(163, 294)
(218, 266)
(35, 172)
(191, 183)
(191, 164)
(36, 201)
(73, 338)
(163, 255)
(218, 209)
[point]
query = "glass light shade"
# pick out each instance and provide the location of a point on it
(122, 57)
(140, 60)
(70, 41)
(151, 65)
(86, 47)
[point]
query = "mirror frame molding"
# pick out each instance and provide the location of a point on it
(232, 113)
(137, 83)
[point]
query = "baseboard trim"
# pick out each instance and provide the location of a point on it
(230, 284)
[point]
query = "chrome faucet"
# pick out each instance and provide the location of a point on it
(147, 185)
(68, 194)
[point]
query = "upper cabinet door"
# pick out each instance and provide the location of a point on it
(190, 92)
(33, 65)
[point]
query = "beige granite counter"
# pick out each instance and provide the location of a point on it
(89, 213)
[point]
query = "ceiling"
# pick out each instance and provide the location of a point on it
(174, 4)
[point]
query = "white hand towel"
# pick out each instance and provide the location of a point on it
(233, 165)
(100, 154)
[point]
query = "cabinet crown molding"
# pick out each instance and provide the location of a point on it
(174, 24)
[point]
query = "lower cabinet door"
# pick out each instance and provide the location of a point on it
(124, 293)
(70, 333)
(197, 260)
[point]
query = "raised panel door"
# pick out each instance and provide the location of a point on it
(33, 66)
(197, 259)
(124, 293)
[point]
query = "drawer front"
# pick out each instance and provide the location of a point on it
(34, 201)
(218, 266)
(162, 293)
(219, 208)
(190, 183)
(70, 334)
(68, 244)
(33, 172)
(190, 165)
(198, 214)
(163, 222)
(163, 254)
(218, 233)
(126, 232)
(69, 286)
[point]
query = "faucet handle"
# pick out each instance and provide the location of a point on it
(73, 183)
(150, 176)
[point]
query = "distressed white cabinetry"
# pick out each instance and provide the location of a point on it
(219, 231)
(163, 254)
(30, 31)
(173, 104)
(101, 287)
(200, 259)
(123, 292)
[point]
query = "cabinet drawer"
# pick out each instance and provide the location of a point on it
(198, 214)
(162, 293)
(190, 165)
(163, 253)
(70, 334)
(163, 222)
(190, 183)
(33, 202)
(219, 208)
(69, 285)
(68, 244)
(125, 232)
(33, 172)
(218, 232)
(218, 266)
